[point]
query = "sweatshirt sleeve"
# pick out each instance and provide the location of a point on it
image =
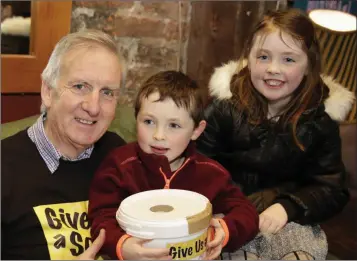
(107, 190)
(240, 216)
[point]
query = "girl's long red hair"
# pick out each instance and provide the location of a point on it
(311, 91)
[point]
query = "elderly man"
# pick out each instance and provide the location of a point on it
(47, 168)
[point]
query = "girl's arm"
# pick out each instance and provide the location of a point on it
(322, 190)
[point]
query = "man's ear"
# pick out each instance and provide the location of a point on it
(46, 94)
(198, 130)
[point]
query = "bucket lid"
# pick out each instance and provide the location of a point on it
(164, 213)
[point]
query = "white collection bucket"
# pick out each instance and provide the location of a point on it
(174, 219)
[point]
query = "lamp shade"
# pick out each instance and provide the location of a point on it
(336, 34)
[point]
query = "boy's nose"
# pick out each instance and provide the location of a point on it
(159, 134)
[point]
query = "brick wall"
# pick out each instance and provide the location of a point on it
(152, 35)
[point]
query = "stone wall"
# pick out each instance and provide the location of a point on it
(152, 35)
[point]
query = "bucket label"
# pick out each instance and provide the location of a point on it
(189, 249)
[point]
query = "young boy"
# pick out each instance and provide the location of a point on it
(169, 112)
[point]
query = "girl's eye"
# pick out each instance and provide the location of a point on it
(289, 60)
(148, 122)
(262, 57)
(174, 126)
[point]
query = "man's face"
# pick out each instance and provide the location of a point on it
(76, 121)
(165, 129)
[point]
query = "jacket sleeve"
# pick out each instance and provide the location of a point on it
(240, 216)
(214, 142)
(106, 193)
(322, 191)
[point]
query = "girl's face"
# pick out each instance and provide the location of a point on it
(277, 66)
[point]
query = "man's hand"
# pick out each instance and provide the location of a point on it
(273, 219)
(133, 249)
(214, 247)
(92, 251)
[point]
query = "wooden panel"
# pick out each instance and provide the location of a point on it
(218, 31)
(248, 14)
(211, 40)
(16, 107)
(50, 21)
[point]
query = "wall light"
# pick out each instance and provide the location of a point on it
(336, 33)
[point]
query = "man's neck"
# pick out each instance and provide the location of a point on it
(64, 147)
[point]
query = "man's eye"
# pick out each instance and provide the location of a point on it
(78, 86)
(108, 92)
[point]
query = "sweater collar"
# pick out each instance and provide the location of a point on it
(47, 150)
(154, 162)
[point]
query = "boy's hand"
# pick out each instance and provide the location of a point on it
(133, 249)
(91, 252)
(214, 247)
(273, 219)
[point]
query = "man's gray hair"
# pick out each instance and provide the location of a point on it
(82, 39)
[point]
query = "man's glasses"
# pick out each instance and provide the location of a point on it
(83, 89)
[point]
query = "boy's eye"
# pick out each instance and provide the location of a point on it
(148, 122)
(174, 125)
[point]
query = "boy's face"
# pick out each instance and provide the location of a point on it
(165, 129)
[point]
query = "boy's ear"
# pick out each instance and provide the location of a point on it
(198, 130)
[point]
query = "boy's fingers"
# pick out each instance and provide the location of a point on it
(93, 250)
(98, 242)
(155, 253)
(141, 241)
(219, 236)
(213, 253)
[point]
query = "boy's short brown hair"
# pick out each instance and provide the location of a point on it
(177, 86)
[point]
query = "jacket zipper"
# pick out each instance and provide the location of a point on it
(167, 181)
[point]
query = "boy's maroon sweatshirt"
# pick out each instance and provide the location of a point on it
(128, 170)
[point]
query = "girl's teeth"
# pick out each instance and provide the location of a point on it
(85, 121)
(273, 82)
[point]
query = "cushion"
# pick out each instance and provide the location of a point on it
(123, 124)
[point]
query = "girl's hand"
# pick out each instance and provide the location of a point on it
(133, 249)
(214, 247)
(273, 219)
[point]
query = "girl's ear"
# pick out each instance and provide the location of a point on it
(198, 130)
